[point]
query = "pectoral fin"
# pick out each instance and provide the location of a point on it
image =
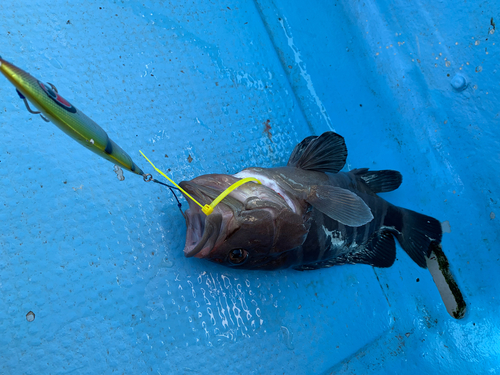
(340, 204)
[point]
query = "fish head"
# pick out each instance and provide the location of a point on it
(252, 228)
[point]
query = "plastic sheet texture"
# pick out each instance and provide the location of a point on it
(92, 274)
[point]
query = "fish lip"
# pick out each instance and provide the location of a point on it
(201, 230)
(195, 228)
(207, 240)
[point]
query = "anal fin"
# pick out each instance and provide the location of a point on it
(379, 252)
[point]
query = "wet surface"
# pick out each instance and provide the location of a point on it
(218, 87)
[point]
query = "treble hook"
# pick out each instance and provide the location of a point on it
(28, 106)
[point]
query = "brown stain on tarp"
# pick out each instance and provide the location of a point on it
(267, 129)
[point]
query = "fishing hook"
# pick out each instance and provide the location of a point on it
(28, 106)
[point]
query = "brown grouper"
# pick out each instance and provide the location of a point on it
(306, 215)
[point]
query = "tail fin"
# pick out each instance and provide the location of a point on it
(415, 232)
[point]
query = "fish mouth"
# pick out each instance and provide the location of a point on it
(202, 231)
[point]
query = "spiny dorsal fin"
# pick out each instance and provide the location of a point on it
(299, 149)
(326, 153)
(380, 181)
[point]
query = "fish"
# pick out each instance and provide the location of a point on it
(306, 215)
(53, 107)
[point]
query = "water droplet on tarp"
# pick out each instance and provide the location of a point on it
(168, 263)
(119, 172)
(287, 337)
(446, 227)
(30, 316)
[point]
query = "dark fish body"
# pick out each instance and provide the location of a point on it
(306, 215)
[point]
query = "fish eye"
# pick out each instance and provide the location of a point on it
(238, 256)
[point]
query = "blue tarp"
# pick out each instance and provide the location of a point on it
(214, 87)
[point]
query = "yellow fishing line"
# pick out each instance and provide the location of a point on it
(207, 209)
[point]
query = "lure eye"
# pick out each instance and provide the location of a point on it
(238, 256)
(52, 93)
(58, 99)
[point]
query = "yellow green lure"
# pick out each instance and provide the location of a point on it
(69, 119)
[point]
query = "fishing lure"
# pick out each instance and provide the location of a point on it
(53, 107)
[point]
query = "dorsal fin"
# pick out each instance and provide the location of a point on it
(326, 153)
(380, 181)
(299, 149)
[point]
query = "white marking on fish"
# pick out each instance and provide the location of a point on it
(267, 182)
(335, 236)
(289, 179)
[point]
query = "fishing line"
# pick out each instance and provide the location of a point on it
(171, 188)
(208, 208)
